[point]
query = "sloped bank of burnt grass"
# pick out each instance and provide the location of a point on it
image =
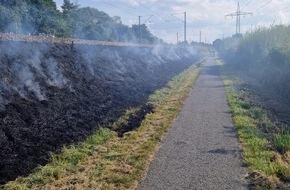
(53, 95)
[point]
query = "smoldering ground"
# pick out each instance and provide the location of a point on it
(53, 95)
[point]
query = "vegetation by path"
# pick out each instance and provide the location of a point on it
(106, 161)
(263, 58)
(265, 150)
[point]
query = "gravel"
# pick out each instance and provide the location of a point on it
(201, 150)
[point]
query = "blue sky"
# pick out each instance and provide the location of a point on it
(207, 16)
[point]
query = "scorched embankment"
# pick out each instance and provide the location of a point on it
(57, 94)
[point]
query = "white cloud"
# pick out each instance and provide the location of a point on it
(205, 15)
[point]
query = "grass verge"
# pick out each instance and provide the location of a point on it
(265, 152)
(105, 161)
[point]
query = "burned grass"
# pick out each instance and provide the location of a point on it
(106, 161)
(53, 96)
(132, 119)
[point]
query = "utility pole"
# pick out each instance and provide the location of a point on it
(183, 20)
(238, 15)
(177, 38)
(185, 26)
(140, 30)
(199, 36)
(140, 36)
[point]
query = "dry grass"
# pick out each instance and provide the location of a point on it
(106, 161)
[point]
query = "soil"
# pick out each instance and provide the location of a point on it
(53, 95)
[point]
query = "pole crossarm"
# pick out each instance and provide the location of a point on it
(149, 17)
(241, 14)
(177, 17)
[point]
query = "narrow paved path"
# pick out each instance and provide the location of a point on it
(201, 150)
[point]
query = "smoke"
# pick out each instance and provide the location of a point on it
(120, 64)
(27, 70)
(157, 51)
(55, 76)
(25, 81)
(165, 53)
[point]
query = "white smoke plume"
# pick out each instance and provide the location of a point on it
(55, 76)
(26, 82)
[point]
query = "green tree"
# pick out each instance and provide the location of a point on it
(42, 16)
(12, 13)
(47, 17)
(146, 36)
(30, 16)
(68, 9)
(92, 24)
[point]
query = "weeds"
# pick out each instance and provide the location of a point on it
(282, 143)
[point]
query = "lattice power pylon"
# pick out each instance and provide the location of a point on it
(238, 15)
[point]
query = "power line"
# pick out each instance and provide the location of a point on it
(276, 11)
(118, 7)
(253, 5)
(167, 29)
(246, 5)
(148, 8)
(184, 21)
(266, 4)
(238, 15)
(161, 18)
(286, 6)
(156, 14)
(151, 10)
(139, 18)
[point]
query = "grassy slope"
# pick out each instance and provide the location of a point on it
(266, 153)
(105, 161)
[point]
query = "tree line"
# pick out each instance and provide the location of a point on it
(42, 17)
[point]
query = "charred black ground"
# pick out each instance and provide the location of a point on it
(53, 95)
(134, 120)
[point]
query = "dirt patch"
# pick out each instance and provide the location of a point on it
(52, 95)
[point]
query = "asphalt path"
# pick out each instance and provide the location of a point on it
(201, 150)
